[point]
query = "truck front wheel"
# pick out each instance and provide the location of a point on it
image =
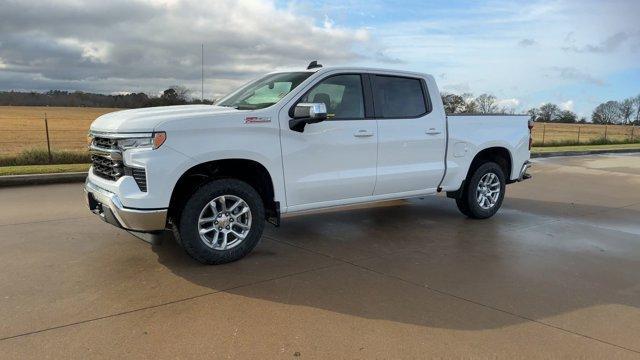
(221, 222)
(483, 192)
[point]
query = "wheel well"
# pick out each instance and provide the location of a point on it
(499, 155)
(245, 170)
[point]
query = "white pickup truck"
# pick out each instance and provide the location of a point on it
(291, 142)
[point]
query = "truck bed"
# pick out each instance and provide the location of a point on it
(469, 134)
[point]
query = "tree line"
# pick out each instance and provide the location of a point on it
(625, 112)
(469, 104)
(175, 95)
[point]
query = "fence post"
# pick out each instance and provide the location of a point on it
(579, 134)
(605, 133)
(544, 127)
(46, 128)
(633, 127)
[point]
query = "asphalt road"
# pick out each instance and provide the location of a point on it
(555, 274)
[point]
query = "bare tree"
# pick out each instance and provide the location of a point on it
(636, 100)
(533, 113)
(470, 103)
(453, 104)
(607, 113)
(182, 92)
(487, 104)
(627, 110)
(548, 112)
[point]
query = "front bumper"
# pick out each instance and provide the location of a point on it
(108, 207)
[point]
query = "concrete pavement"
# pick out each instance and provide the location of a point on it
(555, 274)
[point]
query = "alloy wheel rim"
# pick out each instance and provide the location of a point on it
(488, 191)
(224, 222)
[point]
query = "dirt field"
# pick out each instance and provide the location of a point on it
(22, 127)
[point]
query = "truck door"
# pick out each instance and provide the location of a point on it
(334, 160)
(411, 137)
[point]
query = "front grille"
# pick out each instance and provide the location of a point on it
(108, 164)
(106, 168)
(105, 143)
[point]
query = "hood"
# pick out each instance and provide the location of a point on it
(147, 119)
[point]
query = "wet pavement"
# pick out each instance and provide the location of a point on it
(555, 274)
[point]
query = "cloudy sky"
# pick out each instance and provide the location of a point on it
(574, 53)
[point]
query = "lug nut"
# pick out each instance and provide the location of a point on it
(227, 228)
(230, 220)
(216, 222)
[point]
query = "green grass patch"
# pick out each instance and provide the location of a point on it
(584, 147)
(40, 156)
(598, 141)
(42, 169)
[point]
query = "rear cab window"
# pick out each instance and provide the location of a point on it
(399, 97)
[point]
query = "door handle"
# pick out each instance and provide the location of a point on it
(432, 131)
(363, 133)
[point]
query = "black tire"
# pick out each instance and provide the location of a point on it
(463, 206)
(467, 201)
(187, 229)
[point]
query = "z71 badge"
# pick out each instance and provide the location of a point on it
(256, 119)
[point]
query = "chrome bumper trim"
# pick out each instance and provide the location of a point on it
(130, 219)
(110, 154)
(523, 172)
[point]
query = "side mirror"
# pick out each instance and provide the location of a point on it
(307, 113)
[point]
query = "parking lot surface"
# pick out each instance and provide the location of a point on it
(556, 273)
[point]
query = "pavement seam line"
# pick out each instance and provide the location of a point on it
(166, 303)
(444, 293)
(311, 270)
(49, 220)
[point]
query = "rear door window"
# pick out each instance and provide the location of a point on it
(398, 97)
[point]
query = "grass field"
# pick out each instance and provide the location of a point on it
(42, 169)
(549, 134)
(547, 149)
(22, 127)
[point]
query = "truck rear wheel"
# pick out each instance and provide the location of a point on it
(221, 222)
(483, 192)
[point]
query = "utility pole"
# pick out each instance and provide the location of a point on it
(202, 85)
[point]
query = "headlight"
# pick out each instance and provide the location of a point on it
(155, 141)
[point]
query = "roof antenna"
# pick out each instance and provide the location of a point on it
(313, 65)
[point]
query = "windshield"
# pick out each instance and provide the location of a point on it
(265, 92)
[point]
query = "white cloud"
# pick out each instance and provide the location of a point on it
(513, 50)
(512, 103)
(150, 45)
(479, 46)
(567, 105)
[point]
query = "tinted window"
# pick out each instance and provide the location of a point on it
(397, 97)
(342, 94)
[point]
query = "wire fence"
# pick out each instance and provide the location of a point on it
(47, 129)
(550, 134)
(65, 132)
